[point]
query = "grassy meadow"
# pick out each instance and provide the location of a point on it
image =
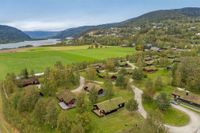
(39, 58)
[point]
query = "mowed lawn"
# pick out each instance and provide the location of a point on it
(38, 59)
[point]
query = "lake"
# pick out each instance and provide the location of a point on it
(28, 43)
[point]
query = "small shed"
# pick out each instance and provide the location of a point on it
(108, 106)
(67, 97)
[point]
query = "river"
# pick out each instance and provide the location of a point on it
(28, 43)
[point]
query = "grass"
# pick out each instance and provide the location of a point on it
(38, 59)
(172, 116)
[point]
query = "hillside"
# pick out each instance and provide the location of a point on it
(10, 34)
(153, 17)
(41, 34)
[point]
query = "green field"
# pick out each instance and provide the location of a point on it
(38, 59)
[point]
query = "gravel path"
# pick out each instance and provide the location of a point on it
(82, 83)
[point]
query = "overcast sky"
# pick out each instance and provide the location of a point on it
(57, 15)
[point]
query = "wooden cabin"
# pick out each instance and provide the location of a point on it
(122, 63)
(68, 98)
(149, 63)
(150, 69)
(113, 77)
(148, 58)
(187, 97)
(27, 82)
(89, 86)
(109, 106)
(98, 66)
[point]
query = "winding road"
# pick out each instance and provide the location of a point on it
(191, 127)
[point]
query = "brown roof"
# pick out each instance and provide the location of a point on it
(191, 97)
(66, 95)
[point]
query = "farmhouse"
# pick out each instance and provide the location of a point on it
(98, 66)
(27, 82)
(187, 97)
(89, 86)
(67, 99)
(108, 106)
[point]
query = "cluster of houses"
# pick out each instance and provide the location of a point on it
(67, 100)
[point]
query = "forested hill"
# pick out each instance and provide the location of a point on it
(41, 34)
(10, 34)
(155, 16)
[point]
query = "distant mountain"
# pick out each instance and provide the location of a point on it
(10, 34)
(155, 16)
(78, 31)
(160, 15)
(41, 34)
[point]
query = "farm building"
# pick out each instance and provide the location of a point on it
(113, 77)
(89, 86)
(67, 99)
(28, 81)
(108, 106)
(150, 69)
(187, 97)
(148, 58)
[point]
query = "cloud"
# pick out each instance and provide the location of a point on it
(42, 25)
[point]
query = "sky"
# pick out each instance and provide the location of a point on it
(55, 15)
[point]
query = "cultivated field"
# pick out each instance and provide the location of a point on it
(38, 59)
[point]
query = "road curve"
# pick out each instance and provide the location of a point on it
(191, 127)
(80, 88)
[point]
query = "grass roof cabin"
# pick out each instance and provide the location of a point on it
(171, 56)
(187, 97)
(108, 106)
(122, 63)
(99, 66)
(148, 58)
(149, 63)
(67, 99)
(27, 82)
(150, 69)
(89, 86)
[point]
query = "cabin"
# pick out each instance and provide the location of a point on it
(109, 106)
(148, 58)
(186, 97)
(27, 82)
(101, 75)
(122, 63)
(149, 63)
(113, 77)
(67, 99)
(89, 86)
(98, 66)
(171, 56)
(150, 69)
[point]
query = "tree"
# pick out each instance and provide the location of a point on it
(122, 81)
(163, 102)
(77, 128)
(63, 123)
(85, 120)
(80, 103)
(132, 105)
(158, 83)
(138, 74)
(40, 110)
(93, 96)
(109, 88)
(9, 84)
(51, 114)
(91, 73)
(149, 91)
(24, 73)
(28, 100)
(110, 65)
